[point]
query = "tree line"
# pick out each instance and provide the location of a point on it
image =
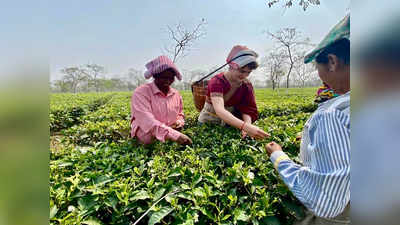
(92, 77)
(282, 66)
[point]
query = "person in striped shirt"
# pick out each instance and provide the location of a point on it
(322, 181)
(157, 108)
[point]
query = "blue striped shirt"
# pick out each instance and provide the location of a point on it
(322, 182)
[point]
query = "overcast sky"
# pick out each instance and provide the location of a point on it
(127, 34)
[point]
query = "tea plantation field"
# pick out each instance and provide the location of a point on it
(98, 175)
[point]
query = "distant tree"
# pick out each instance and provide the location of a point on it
(135, 77)
(113, 84)
(289, 3)
(257, 83)
(60, 86)
(183, 39)
(51, 86)
(107, 84)
(74, 76)
(195, 75)
(291, 42)
(313, 81)
(94, 72)
(273, 64)
(190, 76)
(118, 84)
(304, 72)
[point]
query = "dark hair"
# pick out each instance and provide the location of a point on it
(340, 48)
(159, 74)
(252, 65)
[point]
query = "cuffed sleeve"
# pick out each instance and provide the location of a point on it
(277, 156)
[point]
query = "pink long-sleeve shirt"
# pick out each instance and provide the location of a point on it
(153, 113)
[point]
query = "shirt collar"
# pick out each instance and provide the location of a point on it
(155, 90)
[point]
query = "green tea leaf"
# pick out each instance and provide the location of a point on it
(208, 213)
(226, 217)
(103, 180)
(53, 211)
(184, 196)
(159, 215)
(140, 195)
(241, 215)
(87, 203)
(159, 194)
(199, 192)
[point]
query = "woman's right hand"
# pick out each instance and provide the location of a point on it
(255, 132)
(184, 140)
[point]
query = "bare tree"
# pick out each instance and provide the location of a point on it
(289, 3)
(74, 75)
(277, 72)
(304, 72)
(274, 66)
(94, 71)
(277, 68)
(290, 41)
(183, 39)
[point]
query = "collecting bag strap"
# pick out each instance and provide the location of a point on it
(220, 68)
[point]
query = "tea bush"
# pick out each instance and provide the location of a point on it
(98, 175)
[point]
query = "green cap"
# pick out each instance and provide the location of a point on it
(339, 31)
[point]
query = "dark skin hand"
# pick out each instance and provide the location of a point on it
(184, 140)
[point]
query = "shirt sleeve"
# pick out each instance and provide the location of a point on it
(248, 103)
(144, 118)
(324, 188)
(181, 117)
(215, 85)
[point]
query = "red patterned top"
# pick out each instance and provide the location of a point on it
(243, 99)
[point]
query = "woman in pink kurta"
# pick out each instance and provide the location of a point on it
(157, 109)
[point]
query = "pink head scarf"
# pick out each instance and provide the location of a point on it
(160, 64)
(243, 60)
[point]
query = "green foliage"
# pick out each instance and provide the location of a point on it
(100, 176)
(66, 109)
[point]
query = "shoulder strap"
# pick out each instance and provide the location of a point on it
(220, 67)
